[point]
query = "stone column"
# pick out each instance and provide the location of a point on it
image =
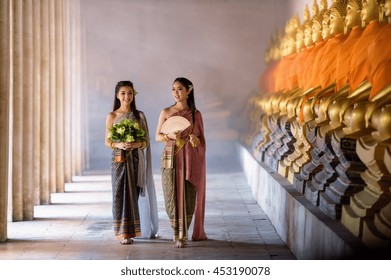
(4, 104)
(27, 113)
(78, 70)
(84, 144)
(17, 111)
(59, 104)
(52, 98)
(73, 69)
(67, 91)
(76, 91)
(37, 101)
(44, 197)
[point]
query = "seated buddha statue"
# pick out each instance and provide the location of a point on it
(288, 52)
(379, 56)
(376, 64)
(369, 120)
(314, 42)
(327, 69)
(319, 41)
(354, 31)
(359, 59)
(302, 52)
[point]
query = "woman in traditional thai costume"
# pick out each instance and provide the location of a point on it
(183, 166)
(134, 197)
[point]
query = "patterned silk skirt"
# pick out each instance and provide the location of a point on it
(180, 199)
(126, 216)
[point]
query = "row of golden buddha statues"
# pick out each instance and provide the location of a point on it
(322, 118)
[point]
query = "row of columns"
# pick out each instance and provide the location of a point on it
(39, 103)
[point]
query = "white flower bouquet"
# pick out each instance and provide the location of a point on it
(126, 131)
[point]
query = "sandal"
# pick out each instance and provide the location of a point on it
(126, 241)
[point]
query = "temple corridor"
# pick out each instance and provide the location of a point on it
(295, 102)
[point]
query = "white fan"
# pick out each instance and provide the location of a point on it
(174, 124)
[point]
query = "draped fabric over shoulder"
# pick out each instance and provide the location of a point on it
(147, 201)
(312, 63)
(134, 197)
(283, 73)
(327, 70)
(344, 56)
(184, 180)
(359, 59)
(379, 62)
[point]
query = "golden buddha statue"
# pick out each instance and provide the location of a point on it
(376, 231)
(298, 64)
(379, 54)
(354, 31)
(359, 69)
(337, 26)
(370, 121)
(319, 38)
(288, 52)
(359, 60)
(323, 104)
(313, 41)
(302, 44)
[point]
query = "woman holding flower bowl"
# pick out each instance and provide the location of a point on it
(134, 197)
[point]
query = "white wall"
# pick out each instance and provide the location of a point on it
(218, 44)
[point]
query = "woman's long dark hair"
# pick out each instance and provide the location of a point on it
(117, 103)
(190, 98)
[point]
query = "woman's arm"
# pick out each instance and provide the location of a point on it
(109, 124)
(160, 137)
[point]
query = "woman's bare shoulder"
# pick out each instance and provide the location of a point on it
(111, 115)
(166, 112)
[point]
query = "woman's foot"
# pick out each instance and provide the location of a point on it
(126, 241)
(180, 244)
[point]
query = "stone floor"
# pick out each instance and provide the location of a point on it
(77, 226)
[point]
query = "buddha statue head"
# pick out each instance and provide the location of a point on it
(308, 34)
(317, 22)
(387, 9)
(370, 10)
(283, 49)
(307, 28)
(290, 44)
(274, 49)
(317, 27)
(353, 13)
(299, 38)
(325, 25)
(290, 35)
(300, 30)
(337, 17)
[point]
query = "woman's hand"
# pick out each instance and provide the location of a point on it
(120, 145)
(174, 135)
